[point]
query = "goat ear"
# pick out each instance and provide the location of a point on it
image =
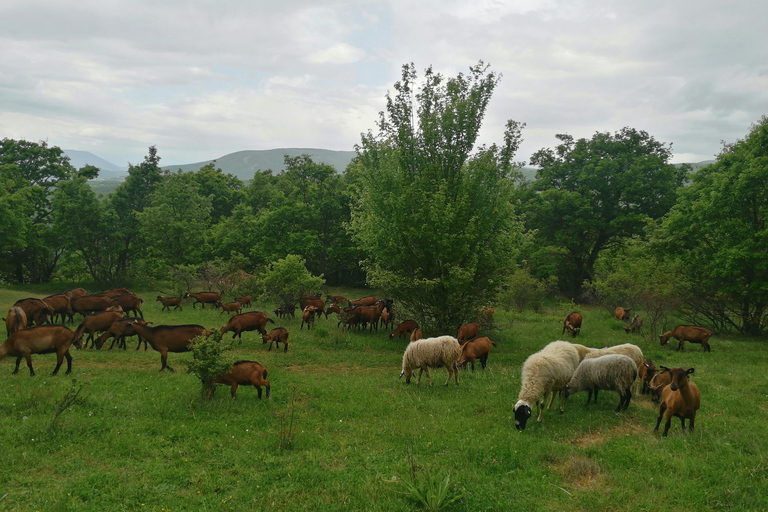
(689, 371)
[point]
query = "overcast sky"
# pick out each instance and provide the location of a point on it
(201, 79)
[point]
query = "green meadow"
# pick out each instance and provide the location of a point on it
(341, 431)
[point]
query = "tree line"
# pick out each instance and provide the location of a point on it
(443, 226)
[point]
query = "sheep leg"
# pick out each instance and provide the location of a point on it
(562, 400)
(539, 409)
(429, 377)
(551, 401)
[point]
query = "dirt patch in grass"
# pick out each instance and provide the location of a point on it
(597, 437)
(581, 472)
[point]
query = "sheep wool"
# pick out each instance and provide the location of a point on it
(611, 372)
(627, 349)
(431, 353)
(546, 371)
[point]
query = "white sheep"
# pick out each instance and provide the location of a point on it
(611, 372)
(431, 353)
(628, 349)
(546, 371)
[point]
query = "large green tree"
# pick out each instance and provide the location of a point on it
(593, 194)
(433, 214)
(719, 231)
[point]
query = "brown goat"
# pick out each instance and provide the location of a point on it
(333, 308)
(689, 333)
(245, 300)
(365, 301)
(119, 330)
(285, 310)
(681, 398)
(277, 335)
(468, 331)
(404, 328)
(36, 310)
(130, 303)
(646, 372)
(308, 316)
(230, 307)
(170, 302)
(98, 322)
(15, 321)
(43, 339)
(243, 373)
(204, 298)
(572, 323)
(318, 303)
(251, 321)
(416, 335)
(476, 348)
(658, 383)
(622, 313)
(87, 304)
(336, 299)
(60, 305)
(636, 325)
(75, 292)
(116, 291)
(169, 338)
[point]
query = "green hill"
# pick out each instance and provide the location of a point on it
(244, 164)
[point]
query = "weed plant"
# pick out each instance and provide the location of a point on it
(139, 439)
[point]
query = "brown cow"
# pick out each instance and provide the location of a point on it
(277, 335)
(681, 398)
(204, 298)
(15, 321)
(572, 323)
(689, 333)
(43, 339)
(622, 313)
(251, 321)
(468, 331)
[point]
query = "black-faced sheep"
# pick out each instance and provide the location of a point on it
(547, 371)
(431, 353)
(612, 372)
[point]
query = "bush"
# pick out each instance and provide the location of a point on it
(209, 360)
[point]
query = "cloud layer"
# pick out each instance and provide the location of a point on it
(202, 79)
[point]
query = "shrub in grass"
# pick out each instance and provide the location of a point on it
(209, 360)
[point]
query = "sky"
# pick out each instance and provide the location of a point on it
(201, 79)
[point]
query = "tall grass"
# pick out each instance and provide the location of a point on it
(138, 439)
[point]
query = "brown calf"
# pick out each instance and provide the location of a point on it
(689, 333)
(681, 398)
(277, 335)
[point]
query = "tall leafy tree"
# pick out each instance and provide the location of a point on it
(593, 194)
(225, 191)
(432, 213)
(29, 171)
(719, 231)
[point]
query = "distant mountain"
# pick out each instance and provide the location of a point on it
(244, 164)
(80, 159)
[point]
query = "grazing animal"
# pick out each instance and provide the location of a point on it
(285, 310)
(627, 349)
(544, 372)
(130, 303)
(170, 302)
(60, 305)
(119, 330)
(204, 298)
(308, 316)
(468, 331)
(44, 339)
(386, 317)
(116, 291)
(365, 301)
(658, 383)
(404, 328)
(15, 321)
(36, 310)
(243, 373)
(230, 307)
(251, 321)
(612, 372)
(98, 322)
(87, 304)
(169, 338)
(431, 353)
(416, 334)
(572, 323)
(636, 325)
(333, 308)
(689, 333)
(277, 335)
(622, 313)
(336, 299)
(582, 350)
(476, 348)
(681, 398)
(75, 292)
(245, 300)
(645, 373)
(316, 302)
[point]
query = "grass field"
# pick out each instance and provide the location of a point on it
(137, 439)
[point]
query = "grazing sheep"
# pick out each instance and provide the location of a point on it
(431, 353)
(476, 348)
(582, 350)
(547, 371)
(681, 398)
(612, 372)
(627, 349)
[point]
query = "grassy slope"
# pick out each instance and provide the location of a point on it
(142, 440)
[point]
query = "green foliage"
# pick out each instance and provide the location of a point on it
(435, 220)
(287, 280)
(433, 494)
(210, 360)
(719, 232)
(594, 194)
(522, 290)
